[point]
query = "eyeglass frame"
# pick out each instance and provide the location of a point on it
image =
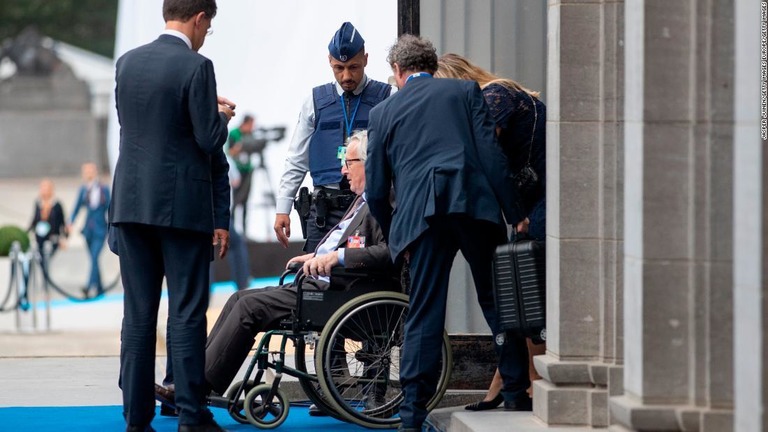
(347, 161)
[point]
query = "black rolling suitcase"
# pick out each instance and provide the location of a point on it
(519, 286)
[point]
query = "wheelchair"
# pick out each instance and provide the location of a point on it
(348, 342)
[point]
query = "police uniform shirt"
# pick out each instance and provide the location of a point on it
(297, 161)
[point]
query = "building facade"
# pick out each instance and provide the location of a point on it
(657, 202)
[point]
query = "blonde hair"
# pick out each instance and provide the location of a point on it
(455, 66)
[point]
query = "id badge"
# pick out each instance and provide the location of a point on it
(355, 242)
(341, 153)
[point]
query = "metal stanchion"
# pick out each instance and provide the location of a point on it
(14, 255)
(44, 260)
(26, 265)
(27, 277)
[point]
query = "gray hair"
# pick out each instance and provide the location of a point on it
(361, 137)
(413, 53)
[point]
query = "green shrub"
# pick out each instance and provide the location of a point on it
(9, 234)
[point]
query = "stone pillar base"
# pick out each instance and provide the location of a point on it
(574, 392)
(631, 414)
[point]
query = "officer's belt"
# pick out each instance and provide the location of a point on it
(334, 198)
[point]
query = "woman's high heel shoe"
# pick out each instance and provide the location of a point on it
(485, 405)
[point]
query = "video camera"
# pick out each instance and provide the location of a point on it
(257, 142)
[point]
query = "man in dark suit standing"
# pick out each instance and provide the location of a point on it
(435, 140)
(170, 202)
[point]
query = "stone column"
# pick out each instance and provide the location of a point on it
(584, 213)
(751, 227)
(678, 195)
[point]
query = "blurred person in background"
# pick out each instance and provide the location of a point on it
(48, 220)
(242, 161)
(94, 196)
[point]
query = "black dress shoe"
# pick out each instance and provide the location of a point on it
(522, 404)
(147, 428)
(210, 426)
(485, 405)
(165, 396)
(315, 411)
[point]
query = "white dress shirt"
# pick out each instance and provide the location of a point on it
(179, 35)
(94, 195)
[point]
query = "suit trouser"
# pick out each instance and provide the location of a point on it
(237, 258)
(147, 253)
(95, 244)
(431, 258)
(245, 314)
(240, 197)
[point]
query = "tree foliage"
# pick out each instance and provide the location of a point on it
(88, 24)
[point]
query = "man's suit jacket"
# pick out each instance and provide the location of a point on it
(95, 218)
(171, 171)
(375, 254)
(435, 139)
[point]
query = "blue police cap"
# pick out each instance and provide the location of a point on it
(346, 43)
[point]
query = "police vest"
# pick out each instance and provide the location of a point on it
(324, 165)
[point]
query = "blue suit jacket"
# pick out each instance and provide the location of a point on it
(171, 170)
(95, 218)
(434, 141)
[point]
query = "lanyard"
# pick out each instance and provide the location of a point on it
(349, 121)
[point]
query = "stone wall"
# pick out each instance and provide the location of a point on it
(46, 126)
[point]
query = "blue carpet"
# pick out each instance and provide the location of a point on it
(109, 419)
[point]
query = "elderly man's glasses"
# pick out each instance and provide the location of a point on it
(347, 161)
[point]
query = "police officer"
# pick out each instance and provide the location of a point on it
(326, 120)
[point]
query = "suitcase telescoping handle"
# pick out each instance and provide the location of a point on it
(515, 236)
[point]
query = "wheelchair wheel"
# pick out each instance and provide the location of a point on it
(305, 362)
(237, 412)
(263, 413)
(359, 360)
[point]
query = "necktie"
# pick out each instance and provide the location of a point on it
(348, 215)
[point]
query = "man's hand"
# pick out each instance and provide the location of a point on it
(221, 238)
(226, 106)
(283, 228)
(321, 265)
(224, 101)
(522, 227)
(301, 259)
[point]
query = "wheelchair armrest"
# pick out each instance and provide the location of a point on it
(293, 268)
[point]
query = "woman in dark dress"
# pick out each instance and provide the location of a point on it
(48, 222)
(521, 130)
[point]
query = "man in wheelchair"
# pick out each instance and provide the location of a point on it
(356, 242)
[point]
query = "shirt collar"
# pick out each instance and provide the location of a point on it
(418, 75)
(356, 91)
(179, 35)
